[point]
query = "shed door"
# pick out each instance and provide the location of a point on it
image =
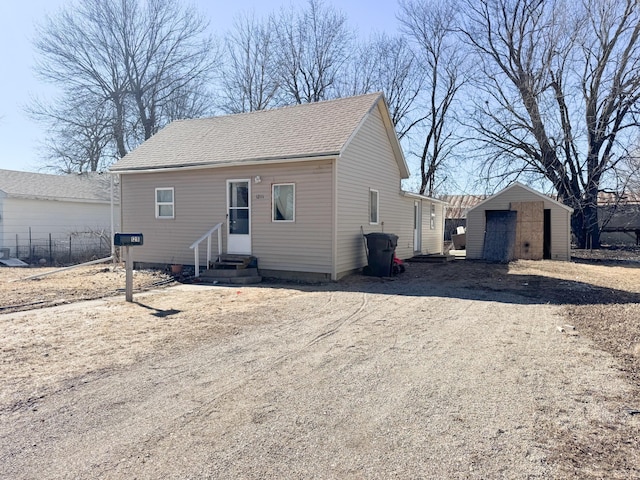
(238, 217)
(499, 235)
(546, 254)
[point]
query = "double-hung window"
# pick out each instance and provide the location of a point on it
(283, 198)
(165, 203)
(374, 207)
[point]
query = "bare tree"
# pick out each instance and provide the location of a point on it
(430, 25)
(144, 60)
(313, 47)
(387, 64)
(561, 82)
(249, 82)
(79, 137)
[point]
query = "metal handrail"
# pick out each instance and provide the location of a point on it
(195, 246)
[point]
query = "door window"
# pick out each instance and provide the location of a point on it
(239, 208)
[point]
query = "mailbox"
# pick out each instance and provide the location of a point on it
(127, 239)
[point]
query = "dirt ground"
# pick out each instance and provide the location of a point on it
(456, 370)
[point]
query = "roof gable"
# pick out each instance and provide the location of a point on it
(298, 132)
(527, 189)
(93, 187)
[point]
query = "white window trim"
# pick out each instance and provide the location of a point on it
(273, 219)
(377, 207)
(172, 203)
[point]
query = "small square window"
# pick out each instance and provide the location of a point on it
(284, 202)
(164, 203)
(374, 206)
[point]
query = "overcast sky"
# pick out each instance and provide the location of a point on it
(19, 136)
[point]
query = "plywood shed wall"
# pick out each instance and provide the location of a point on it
(525, 238)
(529, 243)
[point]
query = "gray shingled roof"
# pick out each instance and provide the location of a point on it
(92, 187)
(309, 130)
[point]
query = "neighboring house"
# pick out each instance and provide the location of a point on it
(456, 214)
(519, 222)
(619, 218)
(42, 209)
(294, 187)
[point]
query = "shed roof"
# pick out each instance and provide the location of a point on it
(86, 187)
(528, 189)
(313, 130)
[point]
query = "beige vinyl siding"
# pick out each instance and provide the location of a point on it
(200, 203)
(560, 222)
(432, 240)
(368, 163)
(475, 232)
(304, 245)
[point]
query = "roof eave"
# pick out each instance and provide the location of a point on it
(236, 163)
(57, 199)
(423, 197)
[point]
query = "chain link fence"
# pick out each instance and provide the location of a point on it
(57, 250)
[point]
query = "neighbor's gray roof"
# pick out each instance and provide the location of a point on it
(295, 132)
(86, 187)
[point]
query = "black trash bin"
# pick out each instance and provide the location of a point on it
(381, 248)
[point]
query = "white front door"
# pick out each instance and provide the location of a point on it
(239, 217)
(417, 227)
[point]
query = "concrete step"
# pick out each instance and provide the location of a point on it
(231, 261)
(253, 279)
(232, 276)
(230, 273)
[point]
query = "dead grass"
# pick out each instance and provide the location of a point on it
(600, 293)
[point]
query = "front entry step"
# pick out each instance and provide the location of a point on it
(235, 262)
(233, 269)
(245, 276)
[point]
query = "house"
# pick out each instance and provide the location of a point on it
(38, 212)
(619, 218)
(519, 223)
(295, 187)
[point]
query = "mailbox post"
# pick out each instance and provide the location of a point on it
(127, 240)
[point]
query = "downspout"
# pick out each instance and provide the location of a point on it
(113, 247)
(443, 222)
(334, 247)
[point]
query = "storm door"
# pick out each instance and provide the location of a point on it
(238, 217)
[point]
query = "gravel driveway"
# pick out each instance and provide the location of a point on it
(381, 380)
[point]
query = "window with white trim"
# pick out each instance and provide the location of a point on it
(283, 200)
(164, 203)
(374, 207)
(432, 223)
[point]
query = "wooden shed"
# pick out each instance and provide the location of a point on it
(519, 223)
